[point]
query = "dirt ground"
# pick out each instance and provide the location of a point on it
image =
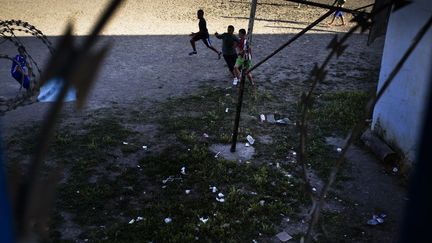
(149, 61)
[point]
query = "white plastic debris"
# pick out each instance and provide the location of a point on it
(339, 150)
(204, 220)
(294, 153)
(183, 170)
(77, 192)
(262, 117)
(278, 165)
(395, 170)
(376, 220)
(144, 147)
(226, 110)
(217, 154)
(167, 220)
(213, 189)
(247, 145)
(262, 202)
(220, 200)
(206, 135)
(221, 194)
(187, 191)
(314, 189)
(169, 179)
(125, 143)
(132, 221)
(283, 121)
(139, 219)
(250, 139)
(284, 236)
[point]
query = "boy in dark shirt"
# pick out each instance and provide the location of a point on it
(229, 44)
(203, 35)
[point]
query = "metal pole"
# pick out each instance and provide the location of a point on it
(243, 77)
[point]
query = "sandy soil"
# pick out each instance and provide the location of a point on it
(163, 17)
(149, 61)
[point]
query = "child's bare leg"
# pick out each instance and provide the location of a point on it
(237, 72)
(333, 19)
(249, 75)
(193, 45)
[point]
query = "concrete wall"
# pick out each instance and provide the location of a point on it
(398, 115)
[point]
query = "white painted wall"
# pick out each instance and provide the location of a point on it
(398, 115)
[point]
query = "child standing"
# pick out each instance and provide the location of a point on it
(338, 13)
(229, 44)
(203, 35)
(244, 58)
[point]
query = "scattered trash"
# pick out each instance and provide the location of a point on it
(221, 194)
(217, 155)
(125, 143)
(254, 241)
(139, 219)
(283, 121)
(314, 189)
(339, 150)
(284, 236)
(395, 170)
(205, 135)
(294, 153)
(163, 187)
(187, 191)
(204, 220)
(271, 119)
(226, 110)
(167, 220)
(376, 219)
(144, 147)
(262, 202)
(220, 200)
(77, 192)
(247, 145)
(132, 221)
(250, 139)
(278, 165)
(183, 170)
(262, 116)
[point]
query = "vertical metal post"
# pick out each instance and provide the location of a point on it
(242, 80)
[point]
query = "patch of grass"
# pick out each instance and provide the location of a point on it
(338, 112)
(333, 115)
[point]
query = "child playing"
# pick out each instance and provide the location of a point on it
(229, 44)
(244, 58)
(19, 70)
(203, 35)
(338, 13)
